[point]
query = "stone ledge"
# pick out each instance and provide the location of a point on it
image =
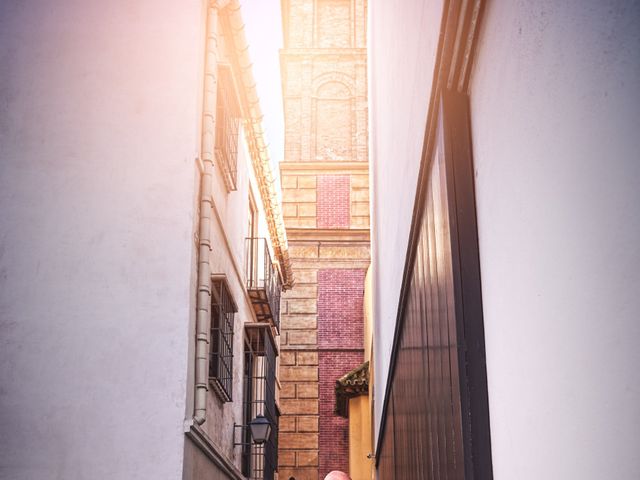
(201, 440)
(346, 235)
(313, 168)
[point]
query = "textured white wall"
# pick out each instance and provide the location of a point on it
(555, 113)
(98, 135)
(403, 38)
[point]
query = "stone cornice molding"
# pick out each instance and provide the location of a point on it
(291, 168)
(353, 235)
(323, 51)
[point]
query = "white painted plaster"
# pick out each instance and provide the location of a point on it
(98, 136)
(402, 46)
(555, 112)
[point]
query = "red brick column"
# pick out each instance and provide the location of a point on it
(340, 341)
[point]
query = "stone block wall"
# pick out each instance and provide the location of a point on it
(322, 339)
(308, 194)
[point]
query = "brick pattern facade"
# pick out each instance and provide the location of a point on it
(340, 315)
(334, 430)
(333, 201)
(325, 197)
(340, 337)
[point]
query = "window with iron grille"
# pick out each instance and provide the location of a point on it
(259, 462)
(227, 125)
(223, 309)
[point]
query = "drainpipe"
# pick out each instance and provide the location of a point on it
(203, 302)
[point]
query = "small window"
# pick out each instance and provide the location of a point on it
(223, 309)
(227, 125)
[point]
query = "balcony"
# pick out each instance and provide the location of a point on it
(263, 282)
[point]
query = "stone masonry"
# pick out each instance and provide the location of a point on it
(325, 184)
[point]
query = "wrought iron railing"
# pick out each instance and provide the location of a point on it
(263, 281)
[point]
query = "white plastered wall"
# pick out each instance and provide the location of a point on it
(555, 109)
(98, 137)
(403, 40)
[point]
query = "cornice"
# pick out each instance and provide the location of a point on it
(324, 167)
(359, 235)
(318, 263)
(312, 51)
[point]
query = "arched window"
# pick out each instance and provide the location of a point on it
(333, 122)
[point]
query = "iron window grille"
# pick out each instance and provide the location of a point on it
(223, 309)
(259, 462)
(227, 126)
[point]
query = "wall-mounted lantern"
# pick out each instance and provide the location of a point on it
(260, 428)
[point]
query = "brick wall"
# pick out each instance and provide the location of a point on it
(340, 339)
(334, 430)
(340, 317)
(333, 201)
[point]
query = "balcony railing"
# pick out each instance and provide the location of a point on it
(263, 282)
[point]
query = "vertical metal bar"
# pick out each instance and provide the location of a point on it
(221, 352)
(260, 461)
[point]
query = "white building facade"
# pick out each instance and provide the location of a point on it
(138, 319)
(505, 228)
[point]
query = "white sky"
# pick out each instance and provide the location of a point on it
(263, 29)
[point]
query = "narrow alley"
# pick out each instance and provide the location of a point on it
(319, 240)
